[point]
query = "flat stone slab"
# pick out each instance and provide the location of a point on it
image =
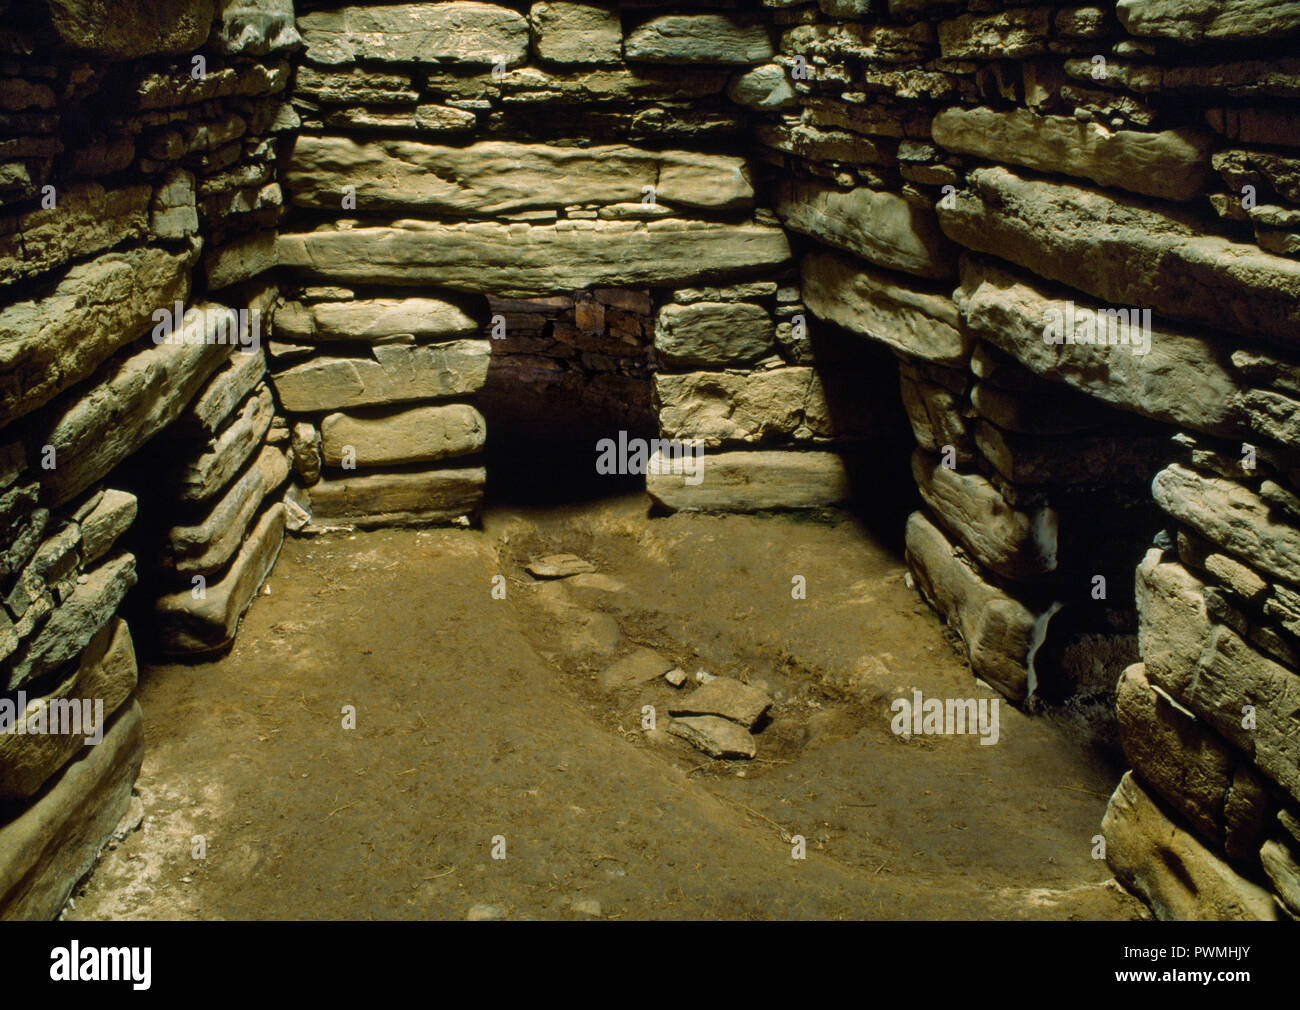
(225, 455)
(204, 547)
(371, 320)
(751, 482)
(715, 736)
(422, 434)
(559, 566)
(51, 844)
(1182, 378)
(1170, 164)
(72, 625)
(879, 226)
(640, 667)
(457, 33)
(106, 672)
(698, 38)
(726, 697)
(48, 344)
(999, 632)
(1127, 252)
(396, 499)
(501, 177)
(189, 626)
(1170, 869)
(136, 394)
(869, 302)
(529, 261)
(397, 373)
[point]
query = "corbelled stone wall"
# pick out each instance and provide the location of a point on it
(990, 186)
(1057, 243)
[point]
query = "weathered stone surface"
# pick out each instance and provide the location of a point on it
(395, 499)
(1007, 35)
(50, 343)
(72, 625)
(307, 456)
(1126, 253)
(1280, 862)
(725, 697)
(1184, 378)
(240, 260)
(205, 547)
(937, 417)
(415, 435)
(51, 845)
(1271, 414)
(1208, 668)
(224, 455)
(764, 88)
(87, 219)
(126, 29)
(397, 373)
(227, 388)
(1243, 78)
(373, 320)
(1014, 543)
(106, 672)
(559, 566)
(1171, 164)
(698, 38)
(254, 27)
(456, 32)
(713, 334)
(134, 396)
(1172, 872)
(715, 736)
(999, 632)
(640, 667)
(523, 261)
(186, 625)
(878, 226)
(1192, 768)
(1198, 21)
(752, 482)
(1232, 516)
(498, 177)
(869, 302)
(576, 33)
(729, 407)
(112, 515)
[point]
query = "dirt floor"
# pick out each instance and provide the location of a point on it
(480, 720)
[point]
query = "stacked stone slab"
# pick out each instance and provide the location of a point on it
(217, 524)
(137, 172)
(737, 377)
(375, 390)
(531, 152)
(1057, 163)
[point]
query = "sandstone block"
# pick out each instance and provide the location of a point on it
(190, 625)
(397, 373)
(51, 845)
(415, 435)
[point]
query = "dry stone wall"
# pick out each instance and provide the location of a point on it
(1056, 243)
(547, 156)
(1077, 228)
(139, 198)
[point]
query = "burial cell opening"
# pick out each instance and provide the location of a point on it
(566, 373)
